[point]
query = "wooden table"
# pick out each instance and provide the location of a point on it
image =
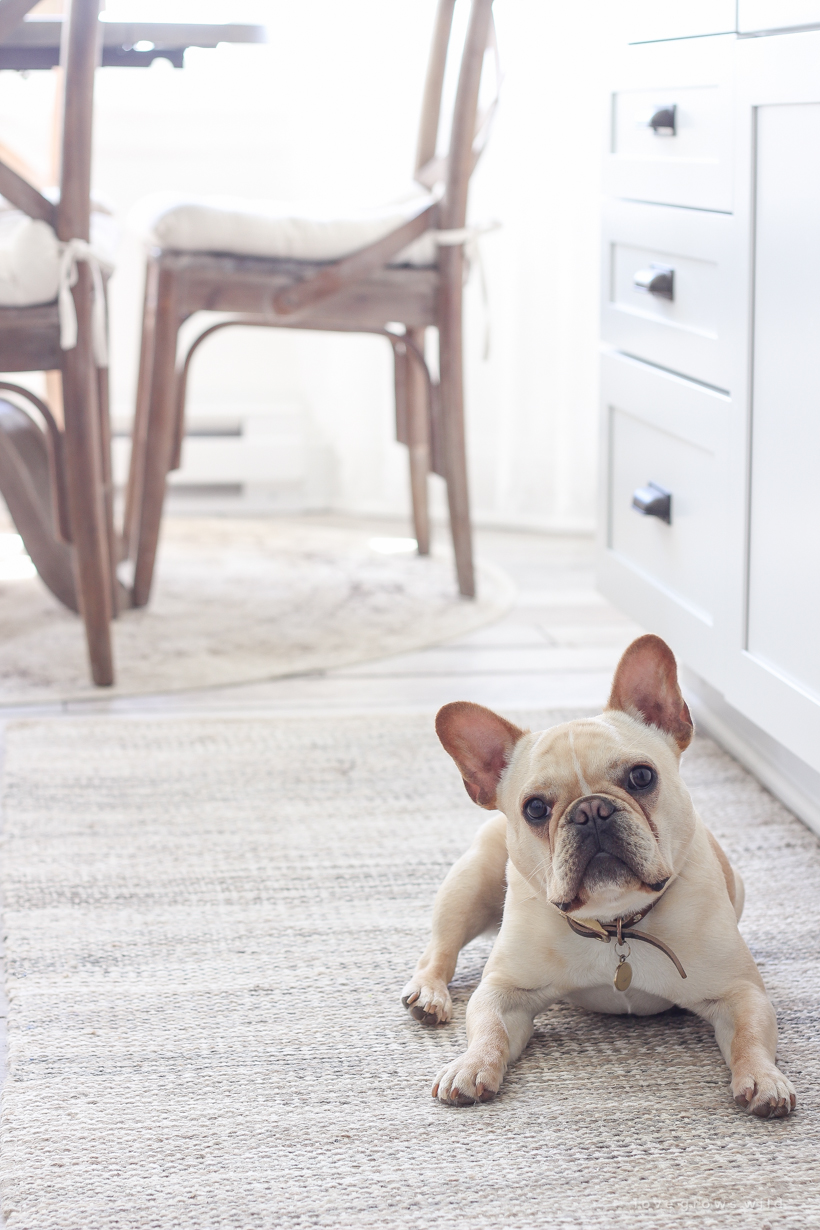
(35, 43)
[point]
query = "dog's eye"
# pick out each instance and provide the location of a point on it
(537, 810)
(641, 777)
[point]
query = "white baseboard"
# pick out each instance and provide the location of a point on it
(788, 778)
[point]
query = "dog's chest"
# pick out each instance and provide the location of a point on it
(592, 966)
(634, 1002)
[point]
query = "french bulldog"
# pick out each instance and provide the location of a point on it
(610, 890)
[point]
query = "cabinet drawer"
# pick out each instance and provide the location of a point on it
(675, 557)
(665, 288)
(647, 20)
(671, 125)
(756, 15)
(658, 428)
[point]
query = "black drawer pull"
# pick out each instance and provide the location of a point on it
(658, 280)
(663, 122)
(653, 501)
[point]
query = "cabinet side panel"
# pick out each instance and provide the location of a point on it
(784, 545)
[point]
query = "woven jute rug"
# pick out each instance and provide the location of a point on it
(239, 600)
(208, 925)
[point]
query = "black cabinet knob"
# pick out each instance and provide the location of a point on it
(653, 501)
(657, 280)
(663, 122)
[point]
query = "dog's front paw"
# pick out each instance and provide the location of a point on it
(765, 1092)
(427, 999)
(466, 1080)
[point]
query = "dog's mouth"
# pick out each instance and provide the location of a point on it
(604, 873)
(607, 864)
(607, 870)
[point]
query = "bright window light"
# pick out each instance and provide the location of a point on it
(393, 546)
(15, 565)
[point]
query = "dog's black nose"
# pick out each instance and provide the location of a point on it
(595, 809)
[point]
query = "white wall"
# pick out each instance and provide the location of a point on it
(329, 107)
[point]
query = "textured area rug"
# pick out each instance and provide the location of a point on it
(208, 927)
(240, 600)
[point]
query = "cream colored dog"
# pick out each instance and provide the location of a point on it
(598, 847)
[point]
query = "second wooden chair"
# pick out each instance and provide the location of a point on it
(403, 263)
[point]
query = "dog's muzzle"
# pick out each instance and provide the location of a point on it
(600, 847)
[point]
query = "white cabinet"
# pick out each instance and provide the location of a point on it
(713, 395)
(754, 16)
(649, 20)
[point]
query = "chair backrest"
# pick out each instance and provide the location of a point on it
(467, 130)
(79, 54)
(13, 186)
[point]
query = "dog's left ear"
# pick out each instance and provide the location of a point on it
(481, 743)
(646, 686)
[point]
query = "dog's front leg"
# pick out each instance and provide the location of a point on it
(746, 1032)
(470, 901)
(499, 1026)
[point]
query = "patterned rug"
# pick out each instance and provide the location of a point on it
(208, 925)
(239, 600)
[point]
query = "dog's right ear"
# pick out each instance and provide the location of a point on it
(481, 743)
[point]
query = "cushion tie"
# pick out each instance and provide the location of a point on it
(71, 253)
(465, 234)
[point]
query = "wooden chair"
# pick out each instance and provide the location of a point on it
(58, 483)
(357, 290)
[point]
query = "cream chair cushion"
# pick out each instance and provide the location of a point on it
(30, 256)
(29, 260)
(277, 229)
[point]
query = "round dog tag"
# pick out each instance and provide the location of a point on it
(623, 975)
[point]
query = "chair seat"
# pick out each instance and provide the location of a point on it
(30, 256)
(277, 229)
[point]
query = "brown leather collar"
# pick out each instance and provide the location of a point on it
(594, 930)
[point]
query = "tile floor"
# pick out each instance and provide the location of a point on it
(556, 648)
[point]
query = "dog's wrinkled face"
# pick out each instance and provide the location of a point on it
(598, 816)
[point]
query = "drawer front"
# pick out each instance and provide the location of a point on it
(662, 430)
(756, 15)
(676, 556)
(665, 288)
(671, 125)
(648, 20)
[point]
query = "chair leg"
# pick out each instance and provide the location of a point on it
(159, 436)
(84, 481)
(108, 486)
(452, 403)
(136, 468)
(418, 441)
